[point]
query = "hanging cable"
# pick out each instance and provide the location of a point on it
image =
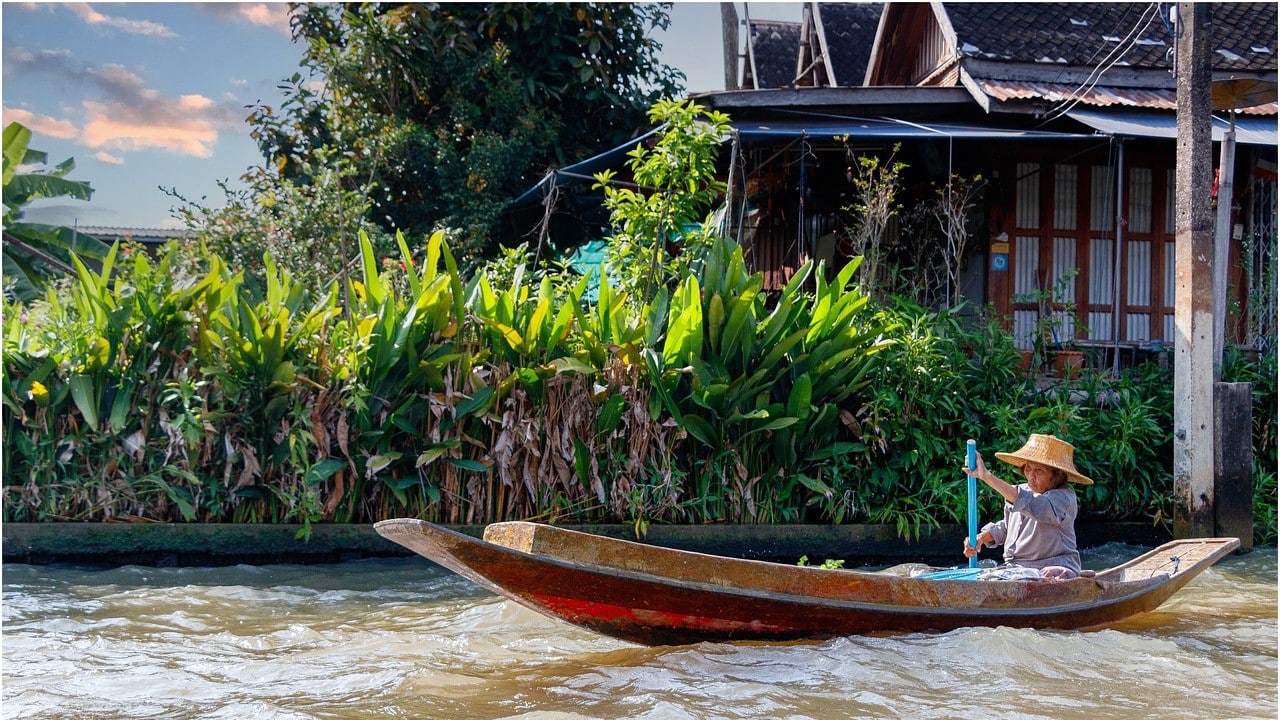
(801, 217)
(1128, 9)
(1116, 55)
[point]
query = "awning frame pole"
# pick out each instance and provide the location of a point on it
(801, 217)
(1222, 243)
(727, 223)
(1119, 254)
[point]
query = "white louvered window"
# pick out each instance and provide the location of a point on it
(1140, 200)
(1065, 191)
(1028, 210)
(1102, 200)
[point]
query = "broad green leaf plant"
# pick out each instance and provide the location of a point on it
(35, 252)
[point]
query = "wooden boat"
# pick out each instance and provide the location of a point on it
(662, 596)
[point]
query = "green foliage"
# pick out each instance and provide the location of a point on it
(447, 111)
(178, 389)
(827, 564)
(309, 229)
(90, 431)
(760, 388)
(35, 252)
(931, 391)
(660, 228)
(876, 183)
(170, 388)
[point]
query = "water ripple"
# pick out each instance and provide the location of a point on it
(403, 639)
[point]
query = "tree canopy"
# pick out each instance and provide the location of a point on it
(447, 111)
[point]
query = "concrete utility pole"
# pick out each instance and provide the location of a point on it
(729, 34)
(1193, 446)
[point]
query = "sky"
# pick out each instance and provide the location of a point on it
(150, 95)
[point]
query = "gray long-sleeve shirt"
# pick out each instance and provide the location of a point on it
(1039, 530)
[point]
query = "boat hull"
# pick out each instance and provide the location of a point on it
(660, 596)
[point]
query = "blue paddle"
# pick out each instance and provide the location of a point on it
(971, 452)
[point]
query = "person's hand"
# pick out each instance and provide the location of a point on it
(980, 469)
(984, 538)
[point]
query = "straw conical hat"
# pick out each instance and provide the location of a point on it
(1047, 450)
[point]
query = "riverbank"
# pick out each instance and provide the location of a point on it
(216, 544)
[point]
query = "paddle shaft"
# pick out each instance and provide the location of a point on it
(971, 458)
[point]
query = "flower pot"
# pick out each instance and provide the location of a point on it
(1025, 360)
(1249, 354)
(1068, 363)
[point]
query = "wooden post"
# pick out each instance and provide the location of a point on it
(1233, 462)
(729, 35)
(1193, 341)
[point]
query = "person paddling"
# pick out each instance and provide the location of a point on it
(1038, 528)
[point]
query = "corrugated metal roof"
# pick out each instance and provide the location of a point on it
(1098, 96)
(140, 234)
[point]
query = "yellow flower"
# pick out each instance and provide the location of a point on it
(39, 393)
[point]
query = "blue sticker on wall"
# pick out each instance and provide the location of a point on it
(1000, 261)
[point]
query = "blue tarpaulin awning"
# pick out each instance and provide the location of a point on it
(818, 127)
(889, 129)
(585, 169)
(1250, 129)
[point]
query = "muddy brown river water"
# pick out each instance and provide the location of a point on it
(404, 639)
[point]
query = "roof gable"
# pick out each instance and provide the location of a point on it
(849, 29)
(914, 45)
(772, 46)
(835, 43)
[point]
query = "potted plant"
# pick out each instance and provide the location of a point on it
(1052, 317)
(1068, 362)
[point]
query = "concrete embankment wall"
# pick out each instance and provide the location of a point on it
(163, 544)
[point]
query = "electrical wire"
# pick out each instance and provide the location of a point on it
(1123, 21)
(1122, 49)
(1113, 57)
(1116, 55)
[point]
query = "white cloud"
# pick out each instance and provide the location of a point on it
(118, 127)
(119, 111)
(136, 27)
(127, 115)
(194, 103)
(119, 80)
(269, 15)
(41, 124)
(108, 158)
